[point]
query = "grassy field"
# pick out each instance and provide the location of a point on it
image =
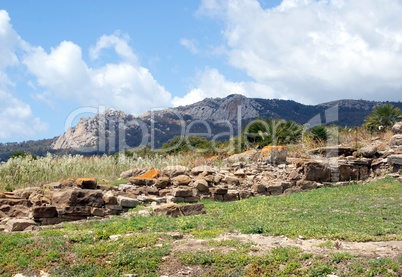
(354, 213)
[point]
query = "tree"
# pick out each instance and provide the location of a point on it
(382, 118)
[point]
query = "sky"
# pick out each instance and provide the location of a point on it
(63, 59)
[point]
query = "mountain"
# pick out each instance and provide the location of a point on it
(215, 118)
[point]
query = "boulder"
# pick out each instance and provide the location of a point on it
(275, 189)
(274, 154)
(395, 159)
(396, 142)
(127, 202)
(203, 168)
(181, 180)
(175, 170)
(15, 201)
(74, 212)
(132, 172)
(317, 171)
(162, 182)
(19, 224)
(15, 211)
(231, 180)
(218, 190)
(169, 209)
(368, 151)
(27, 192)
(44, 212)
(304, 185)
(332, 151)
(201, 185)
(146, 179)
(109, 198)
(193, 209)
(348, 172)
(247, 156)
(71, 197)
(259, 188)
(182, 192)
(231, 195)
(86, 183)
(397, 128)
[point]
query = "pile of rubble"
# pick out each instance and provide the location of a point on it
(252, 173)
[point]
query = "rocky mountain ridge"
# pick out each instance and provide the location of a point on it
(113, 131)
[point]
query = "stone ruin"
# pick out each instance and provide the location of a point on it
(266, 172)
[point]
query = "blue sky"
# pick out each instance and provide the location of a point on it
(60, 57)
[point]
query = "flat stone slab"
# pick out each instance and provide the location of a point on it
(395, 159)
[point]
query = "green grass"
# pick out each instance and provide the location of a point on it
(354, 213)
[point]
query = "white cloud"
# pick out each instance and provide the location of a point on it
(315, 51)
(211, 83)
(16, 118)
(190, 44)
(123, 85)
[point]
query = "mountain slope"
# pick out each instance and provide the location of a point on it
(219, 117)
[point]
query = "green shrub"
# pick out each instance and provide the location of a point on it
(382, 118)
(272, 132)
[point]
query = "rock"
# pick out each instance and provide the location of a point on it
(259, 188)
(203, 168)
(304, 185)
(243, 194)
(15, 211)
(169, 209)
(396, 142)
(201, 185)
(368, 151)
(240, 173)
(175, 170)
(19, 224)
(109, 198)
(27, 192)
(395, 159)
(274, 154)
(247, 156)
(231, 195)
(146, 179)
(107, 187)
(86, 183)
(181, 180)
(397, 128)
(162, 182)
(316, 171)
(98, 212)
(218, 190)
(132, 172)
(44, 212)
(275, 189)
(127, 202)
(193, 209)
(126, 187)
(348, 172)
(231, 180)
(332, 151)
(74, 212)
(70, 197)
(182, 192)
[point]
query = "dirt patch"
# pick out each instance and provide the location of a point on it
(263, 244)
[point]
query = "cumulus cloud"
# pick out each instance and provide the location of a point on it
(16, 117)
(190, 44)
(211, 83)
(123, 85)
(315, 51)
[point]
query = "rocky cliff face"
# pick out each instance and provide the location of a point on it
(90, 132)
